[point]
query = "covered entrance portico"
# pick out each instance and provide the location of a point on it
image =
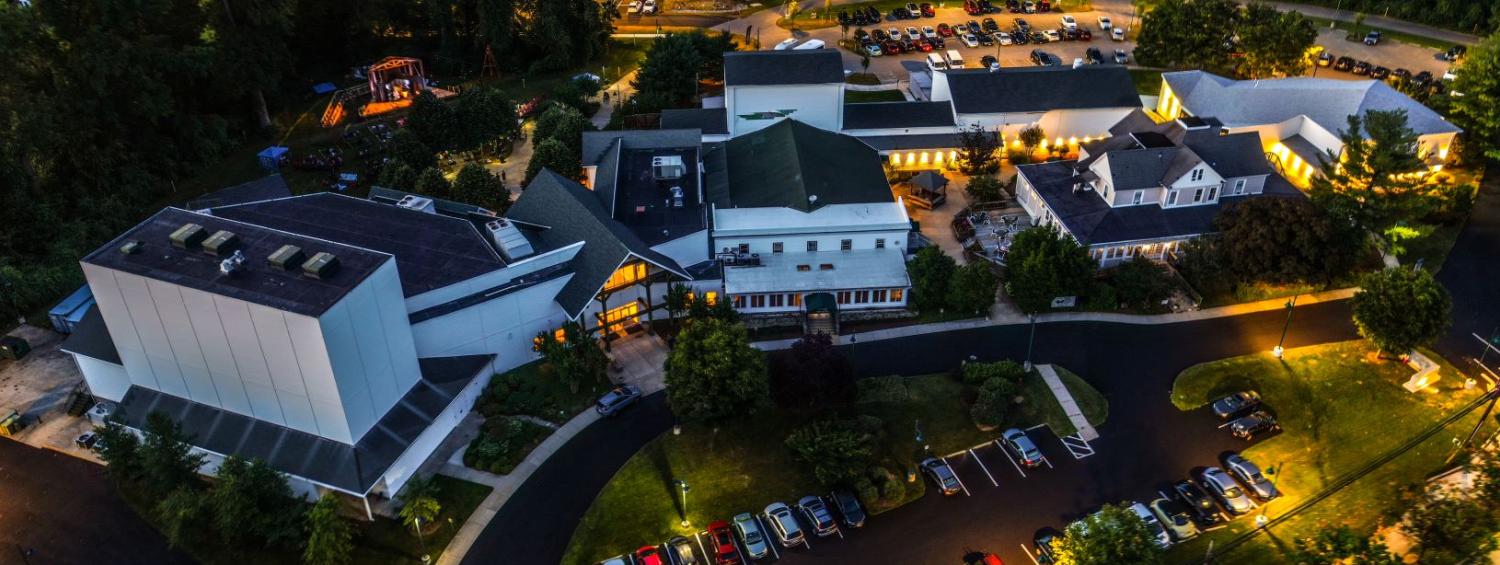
(820, 314)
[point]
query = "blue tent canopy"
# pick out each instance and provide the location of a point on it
(271, 157)
(324, 88)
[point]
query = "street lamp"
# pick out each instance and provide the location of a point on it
(422, 542)
(1279, 350)
(1030, 341)
(684, 488)
(1275, 472)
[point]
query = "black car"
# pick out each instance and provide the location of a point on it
(849, 509)
(1399, 76)
(1042, 58)
(1361, 68)
(927, 11)
(1013, 6)
(1093, 56)
(1039, 37)
(1455, 53)
(937, 42)
(990, 26)
(1257, 422)
(909, 46)
(1422, 79)
(1205, 513)
(975, 28)
(900, 14)
(1379, 73)
(1236, 404)
(1023, 26)
(985, 40)
(879, 35)
(1018, 37)
(987, 61)
(1344, 64)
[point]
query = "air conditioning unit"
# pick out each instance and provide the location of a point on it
(508, 239)
(418, 203)
(188, 236)
(221, 243)
(286, 258)
(676, 192)
(668, 167)
(321, 266)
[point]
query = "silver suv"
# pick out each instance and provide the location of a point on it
(1227, 491)
(943, 475)
(784, 524)
(1249, 474)
(818, 515)
(749, 530)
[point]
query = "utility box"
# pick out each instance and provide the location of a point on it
(12, 347)
(10, 424)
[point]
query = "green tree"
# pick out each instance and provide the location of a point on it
(252, 502)
(1451, 528)
(419, 503)
(1186, 34)
(972, 288)
(1479, 82)
(563, 123)
(1112, 535)
(330, 538)
(984, 188)
(121, 451)
(1286, 240)
(405, 146)
(812, 375)
(434, 121)
(182, 514)
(1031, 137)
(1043, 264)
(1141, 283)
(397, 175)
(669, 76)
(250, 39)
(432, 183)
(837, 451)
(485, 117)
(1202, 263)
(1375, 183)
(976, 150)
(477, 186)
(1274, 43)
(713, 374)
(577, 357)
(1341, 545)
(993, 402)
(555, 156)
(931, 273)
(1401, 309)
(677, 299)
(167, 459)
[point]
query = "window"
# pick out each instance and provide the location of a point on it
(1239, 186)
(825, 267)
(1197, 175)
(812, 245)
(896, 294)
(794, 299)
(777, 299)
(757, 301)
(1198, 195)
(744, 248)
(712, 297)
(879, 296)
(804, 268)
(1213, 192)
(861, 296)
(846, 245)
(1171, 198)
(843, 297)
(739, 300)
(616, 318)
(880, 243)
(776, 247)
(626, 275)
(1136, 198)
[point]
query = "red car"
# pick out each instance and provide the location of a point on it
(891, 47)
(927, 11)
(1043, 6)
(722, 538)
(944, 30)
(649, 555)
(924, 45)
(972, 7)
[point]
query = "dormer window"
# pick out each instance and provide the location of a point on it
(1197, 175)
(1136, 198)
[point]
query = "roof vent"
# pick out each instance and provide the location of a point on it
(286, 258)
(322, 266)
(812, 199)
(668, 167)
(508, 239)
(221, 243)
(188, 236)
(233, 264)
(676, 193)
(131, 247)
(418, 203)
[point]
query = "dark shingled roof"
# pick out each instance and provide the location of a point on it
(895, 115)
(264, 188)
(1140, 168)
(710, 121)
(566, 213)
(1039, 89)
(787, 163)
(809, 66)
(353, 468)
(90, 338)
(432, 250)
(1092, 221)
(918, 141)
(1233, 155)
(255, 282)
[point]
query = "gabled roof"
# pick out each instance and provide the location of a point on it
(432, 250)
(264, 188)
(1327, 102)
(897, 115)
(1040, 89)
(1233, 155)
(1131, 169)
(564, 213)
(808, 66)
(794, 165)
(710, 121)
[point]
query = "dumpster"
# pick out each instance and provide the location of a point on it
(12, 347)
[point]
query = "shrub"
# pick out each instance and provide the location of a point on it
(502, 443)
(892, 490)
(891, 388)
(867, 492)
(1101, 297)
(992, 406)
(835, 450)
(1141, 283)
(976, 374)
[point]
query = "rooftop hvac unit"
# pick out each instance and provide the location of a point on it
(221, 243)
(100, 413)
(418, 203)
(188, 236)
(286, 258)
(131, 247)
(676, 196)
(322, 266)
(513, 246)
(233, 264)
(668, 167)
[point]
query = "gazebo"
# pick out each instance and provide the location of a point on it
(929, 189)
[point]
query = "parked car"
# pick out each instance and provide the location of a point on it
(985, 40)
(1193, 497)
(1042, 58)
(721, 536)
(928, 32)
(928, 11)
(1021, 445)
(901, 14)
(924, 45)
(873, 50)
(680, 551)
(1380, 73)
(648, 555)
(1229, 493)
(1013, 6)
(784, 524)
(913, 33)
(849, 509)
(87, 440)
(1003, 38)
(894, 33)
(988, 61)
(1236, 404)
(1023, 26)
(890, 47)
(944, 30)
(970, 41)
(1029, 7)
(1345, 64)
(1117, 34)
(1249, 474)
(1153, 525)
(1325, 59)
(1422, 79)
(1257, 422)
(818, 515)
(1121, 57)
(1105, 24)
(1069, 22)
(972, 8)
(1455, 53)
(880, 35)
(1400, 75)
(942, 475)
(989, 25)
(1052, 35)
(617, 399)
(1084, 34)
(1176, 517)
(1094, 56)
(748, 529)
(1372, 38)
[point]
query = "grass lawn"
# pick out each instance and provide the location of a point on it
(1432, 249)
(1340, 407)
(743, 466)
(858, 96)
(1147, 82)
(1385, 33)
(1047, 410)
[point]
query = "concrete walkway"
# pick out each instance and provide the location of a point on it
(1070, 407)
(1013, 318)
(618, 92)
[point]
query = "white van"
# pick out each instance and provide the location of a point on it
(955, 61)
(936, 62)
(811, 44)
(785, 44)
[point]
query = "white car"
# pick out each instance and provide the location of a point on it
(634, 7)
(929, 33)
(895, 33)
(873, 50)
(1069, 22)
(649, 7)
(1152, 524)
(1003, 38)
(913, 34)
(961, 29)
(1105, 24)
(1052, 35)
(1117, 34)
(970, 40)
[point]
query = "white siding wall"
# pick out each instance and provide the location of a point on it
(1091, 122)
(818, 105)
(797, 243)
(503, 326)
(410, 460)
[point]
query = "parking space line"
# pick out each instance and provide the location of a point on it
(1164, 495)
(983, 468)
(1012, 460)
(956, 477)
(1076, 445)
(1029, 555)
(1048, 461)
(699, 537)
(1038, 426)
(766, 533)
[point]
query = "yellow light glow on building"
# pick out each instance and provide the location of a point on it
(1059, 140)
(923, 158)
(1016, 144)
(1437, 168)
(895, 159)
(1443, 153)
(952, 156)
(1073, 140)
(1044, 144)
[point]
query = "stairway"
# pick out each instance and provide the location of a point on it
(80, 403)
(820, 325)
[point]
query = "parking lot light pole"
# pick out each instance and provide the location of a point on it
(1030, 341)
(1275, 473)
(1278, 350)
(683, 487)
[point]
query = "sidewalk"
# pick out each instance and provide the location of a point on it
(1013, 317)
(1070, 407)
(1376, 20)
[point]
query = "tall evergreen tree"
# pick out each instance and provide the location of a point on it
(330, 538)
(1376, 182)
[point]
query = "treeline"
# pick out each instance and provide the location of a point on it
(1469, 16)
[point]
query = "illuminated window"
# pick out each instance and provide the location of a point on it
(744, 248)
(739, 300)
(626, 275)
(615, 319)
(712, 297)
(825, 267)
(897, 294)
(794, 299)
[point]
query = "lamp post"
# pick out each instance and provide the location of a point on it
(1275, 472)
(422, 542)
(1278, 350)
(683, 487)
(1030, 341)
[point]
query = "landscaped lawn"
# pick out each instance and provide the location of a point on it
(1340, 407)
(1387, 35)
(1046, 410)
(1432, 249)
(858, 96)
(532, 390)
